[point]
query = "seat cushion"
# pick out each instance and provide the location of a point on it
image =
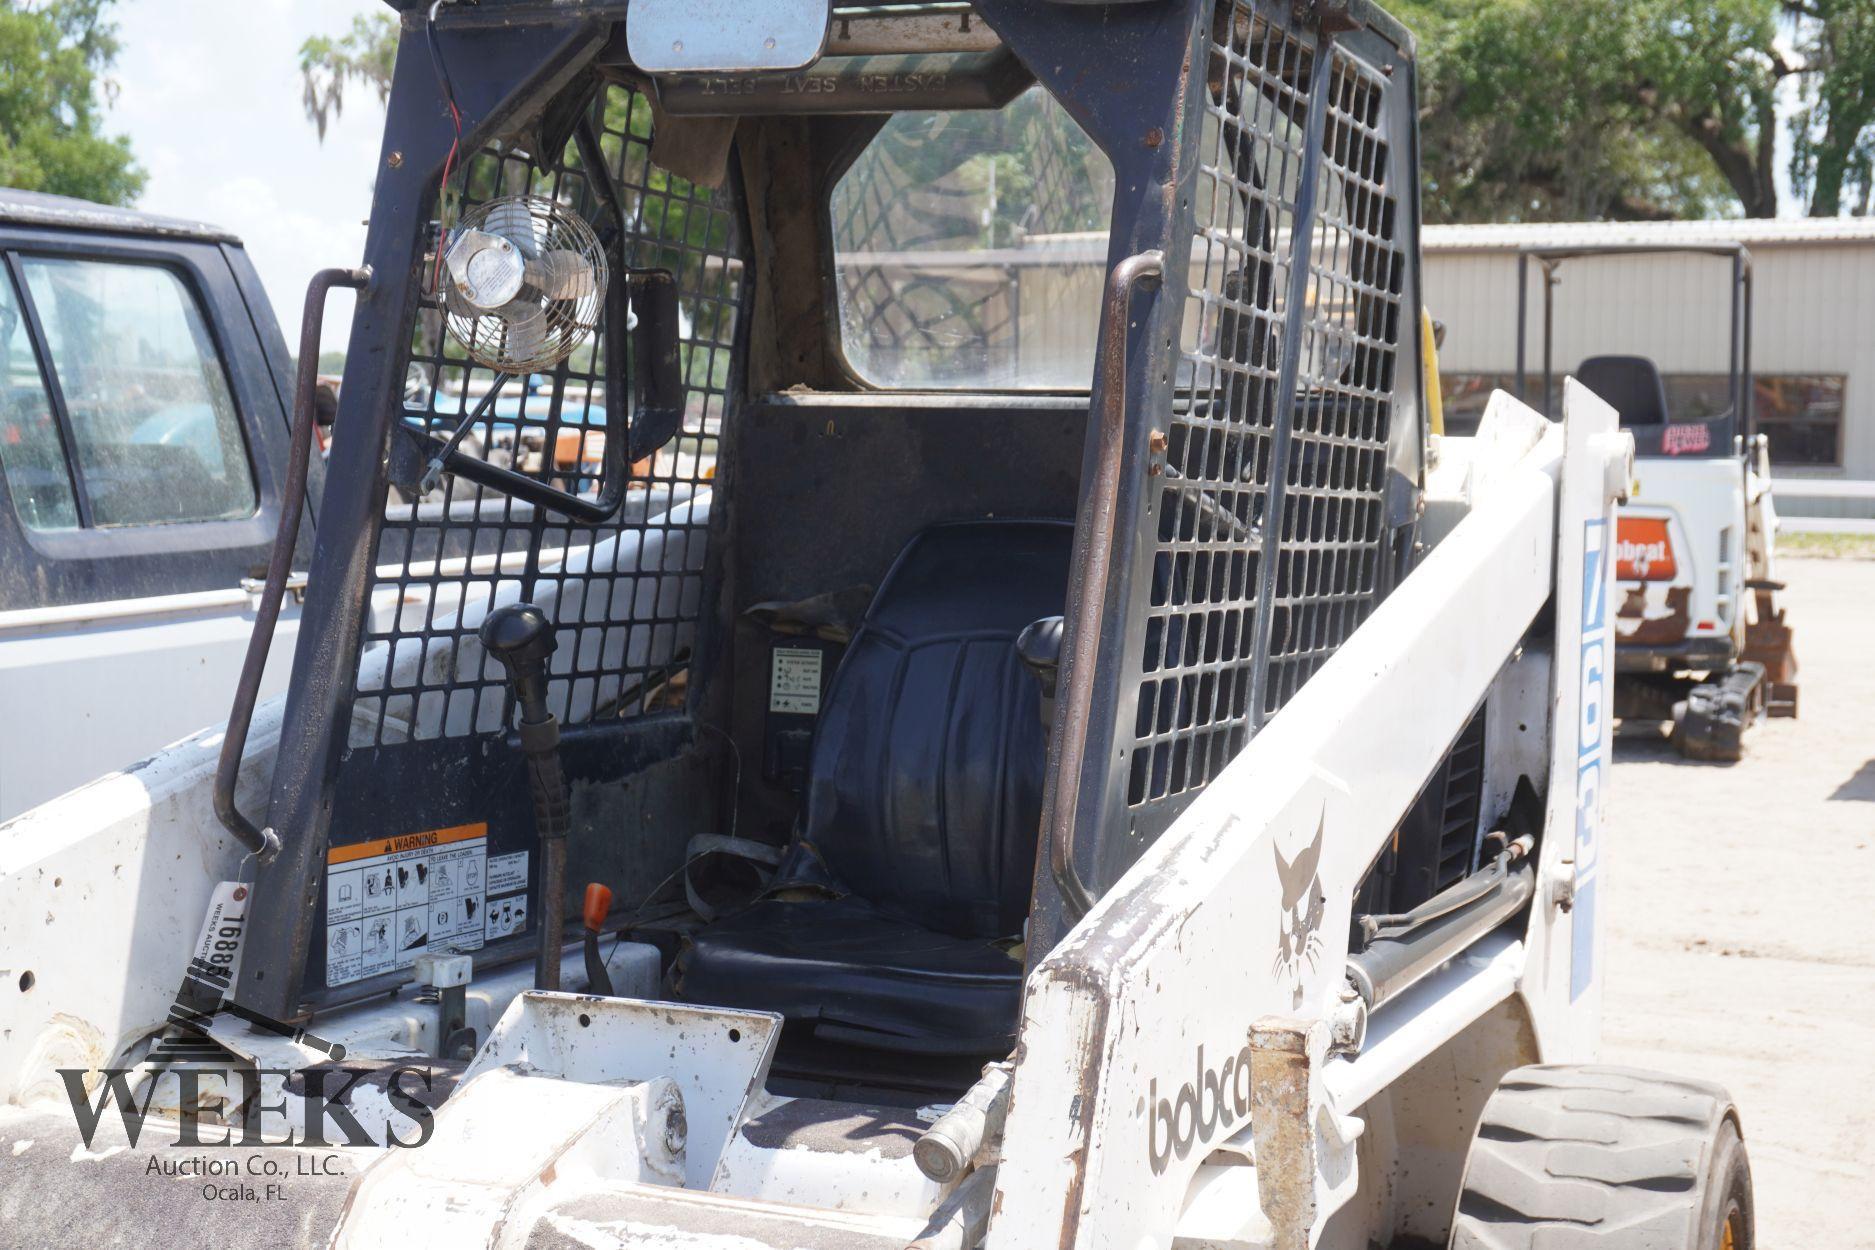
(858, 975)
(925, 783)
(1631, 385)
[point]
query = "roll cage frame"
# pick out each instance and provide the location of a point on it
(517, 63)
(1741, 418)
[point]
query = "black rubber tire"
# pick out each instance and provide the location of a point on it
(1608, 1158)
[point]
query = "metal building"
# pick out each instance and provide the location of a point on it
(1813, 342)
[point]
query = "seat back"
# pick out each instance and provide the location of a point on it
(1631, 385)
(925, 781)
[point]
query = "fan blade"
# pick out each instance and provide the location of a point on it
(524, 330)
(516, 221)
(561, 273)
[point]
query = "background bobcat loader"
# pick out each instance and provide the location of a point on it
(1159, 813)
(1701, 641)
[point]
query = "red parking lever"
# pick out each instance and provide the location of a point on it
(593, 912)
(598, 905)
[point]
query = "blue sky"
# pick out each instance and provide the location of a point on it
(209, 93)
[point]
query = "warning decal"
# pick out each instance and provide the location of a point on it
(389, 900)
(794, 683)
(507, 896)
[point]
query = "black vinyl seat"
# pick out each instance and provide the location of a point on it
(1631, 385)
(890, 921)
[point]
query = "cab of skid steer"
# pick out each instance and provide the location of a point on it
(976, 445)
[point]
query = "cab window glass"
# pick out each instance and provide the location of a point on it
(30, 454)
(153, 422)
(970, 249)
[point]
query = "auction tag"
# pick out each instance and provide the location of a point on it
(223, 927)
(216, 957)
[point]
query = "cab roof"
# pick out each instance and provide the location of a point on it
(36, 208)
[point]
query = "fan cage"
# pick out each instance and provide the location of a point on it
(547, 232)
(626, 595)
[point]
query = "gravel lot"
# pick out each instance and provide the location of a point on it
(1741, 921)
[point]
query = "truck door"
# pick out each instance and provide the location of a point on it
(142, 437)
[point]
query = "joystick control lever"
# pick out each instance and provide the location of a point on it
(521, 637)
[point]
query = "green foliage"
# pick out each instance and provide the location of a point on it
(1545, 110)
(1833, 153)
(52, 91)
(366, 53)
(1558, 109)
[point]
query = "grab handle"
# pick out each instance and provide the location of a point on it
(264, 842)
(1093, 561)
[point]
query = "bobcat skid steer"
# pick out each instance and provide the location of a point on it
(1050, 753)
(1701, 643)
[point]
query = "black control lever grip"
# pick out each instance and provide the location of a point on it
(521, 637)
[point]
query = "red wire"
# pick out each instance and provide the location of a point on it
(449, 164)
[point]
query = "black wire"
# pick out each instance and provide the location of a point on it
(436, 58)
(448, 89)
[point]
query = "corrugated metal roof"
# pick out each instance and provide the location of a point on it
(36, 208)
(1753, 232)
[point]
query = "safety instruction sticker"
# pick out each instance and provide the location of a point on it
(390, 900)
(507, 896)
(794, 681)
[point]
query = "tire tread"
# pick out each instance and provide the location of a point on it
(1569, 1157)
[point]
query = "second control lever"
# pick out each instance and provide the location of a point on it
(593, 914)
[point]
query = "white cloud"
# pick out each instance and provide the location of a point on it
(209, 93)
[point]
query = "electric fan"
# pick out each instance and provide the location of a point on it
(526, 277)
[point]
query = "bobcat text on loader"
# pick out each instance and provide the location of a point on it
(1042, 756)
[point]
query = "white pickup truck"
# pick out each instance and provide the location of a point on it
(144, 403)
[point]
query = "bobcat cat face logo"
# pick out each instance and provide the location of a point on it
(1299, 938)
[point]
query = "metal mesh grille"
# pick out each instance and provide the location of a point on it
(625, 594)
(1195, 690)
(1198, 692)
(1330, 544)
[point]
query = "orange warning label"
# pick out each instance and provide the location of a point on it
(408, 842)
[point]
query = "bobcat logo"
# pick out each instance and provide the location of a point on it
(1299, 936)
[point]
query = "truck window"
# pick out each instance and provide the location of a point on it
(30, 456)
(970, 248)
(153, 422)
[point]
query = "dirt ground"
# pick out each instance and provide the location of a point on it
(1742, 946)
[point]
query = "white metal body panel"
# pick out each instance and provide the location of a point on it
(102, 893)
(1135, 1029)
(95, 687)
(1701, 504)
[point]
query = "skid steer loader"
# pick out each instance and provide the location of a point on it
(1156, 809)
(1701, 643)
